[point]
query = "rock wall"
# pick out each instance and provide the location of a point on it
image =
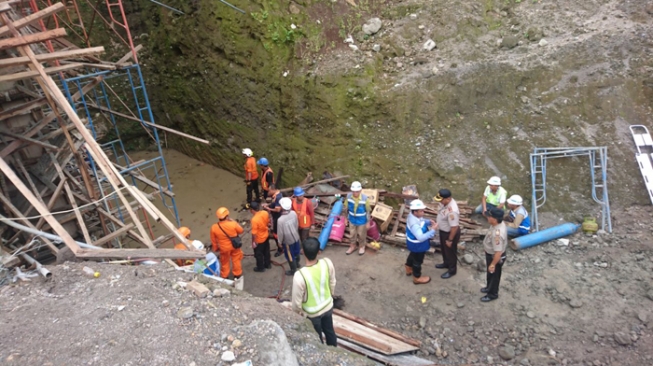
(505, 76)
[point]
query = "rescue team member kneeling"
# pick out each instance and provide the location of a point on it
(418, 236)
(312, 291)
(495, 245)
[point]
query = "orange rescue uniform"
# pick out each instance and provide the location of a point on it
(265, 185)
(305, 214)
(181, 262)
(221, 243)
(250, 169)
(260, 224)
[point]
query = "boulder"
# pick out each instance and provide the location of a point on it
(372, 26)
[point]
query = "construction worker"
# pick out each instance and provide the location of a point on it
(518, 222)
(289, 235)
(267, 177)
(359, 218)
(251, 176)
(448, 224)
(260, 237)
(312, 291)
(185, 232)
(274, 208)
(221, 234)
(419, 232)
(303, 207)
(493, 196)
(495, 245)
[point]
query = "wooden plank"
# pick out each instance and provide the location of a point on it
(31, 74)
(32, 18)
(315, 183)
(20, 40)
(145, 180)
(388, 332)
(107, 238)
(26, 222)
(399, 215)
(30, 140)
(394, 360)
(139, 253)
(93, 65)
(46, 57)
(23, 108)
(351, 335)
(368, 337)
(117, 221)
(129, 55)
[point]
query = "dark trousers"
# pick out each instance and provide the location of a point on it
(415, 261)
(252, 187)
(294, 251)
(303, 234)
(493, 279)
(324, 324)
(450, 254)
(262, 254)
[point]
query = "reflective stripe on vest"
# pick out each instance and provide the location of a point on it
(317, 287)
(493, 198)
(526, 222)
(302, 217)
(411, 237)
(361, 209)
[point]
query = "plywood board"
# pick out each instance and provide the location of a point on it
(394, 360)
(369, 338)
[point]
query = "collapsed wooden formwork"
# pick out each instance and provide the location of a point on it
(46, 153)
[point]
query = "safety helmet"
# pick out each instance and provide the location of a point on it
(184, 231)
(197, 245)
(247, 152)
(515, 199)
(286, 203)
(494, 181)
(298, 191)
(417, 205)
(222, 212)
(356, 186)
(263, 161)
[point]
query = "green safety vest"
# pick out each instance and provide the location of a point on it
(493, 198)
(317, 287)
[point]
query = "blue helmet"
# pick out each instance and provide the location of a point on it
(263, 161)
(298, 191)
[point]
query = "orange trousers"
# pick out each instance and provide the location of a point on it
(227, 256)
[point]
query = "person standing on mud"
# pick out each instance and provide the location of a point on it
(251, 176)
(358, 207)
(419, 232)
(495, 245)
(221, 234)
(447, 220)
(303, 207)
(312, 291)
(260, 237)
(267, 177)
(289, 235)
(274, 208)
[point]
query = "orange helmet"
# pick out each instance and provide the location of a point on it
(222, 212)
(184, 231)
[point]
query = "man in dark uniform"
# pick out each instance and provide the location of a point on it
(447, 220)
(495, 245)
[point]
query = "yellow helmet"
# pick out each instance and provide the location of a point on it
(222, 212)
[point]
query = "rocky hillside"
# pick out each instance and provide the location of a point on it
(438, 93)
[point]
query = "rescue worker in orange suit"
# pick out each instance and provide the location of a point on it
(305, 213)
(260, 237)
(185, 232)
(221, 234)
(267, 177)
(274, 208)
(251, 176)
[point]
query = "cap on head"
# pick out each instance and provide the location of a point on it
(247, 152)
(442, 194)
(494, 181)
(197, 245)
(356, 186)
(417, 205)
(263, 161)
(286, 203)
(254, 206)
(184, 231)
(298, 191)
(496, 213)
(515, 199)
(222, 212)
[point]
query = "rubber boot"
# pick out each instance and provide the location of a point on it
(292, 270)
(239, 283)
(296, 259)
(409, 270)
(421, 280)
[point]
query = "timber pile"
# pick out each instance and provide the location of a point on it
(46, 150)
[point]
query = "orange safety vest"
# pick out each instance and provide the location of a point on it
(264, 180)
(302, 216)
(250, 167)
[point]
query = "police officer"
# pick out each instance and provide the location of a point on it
(495, 244)
(447, 220)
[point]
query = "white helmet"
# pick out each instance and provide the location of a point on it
(197, 245)
(286, 203)
(417, 205)
(515, 199)
(247, 152)
(494, 181)
(356, 186)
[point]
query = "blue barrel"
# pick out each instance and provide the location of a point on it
(326, 230)
(543, 236)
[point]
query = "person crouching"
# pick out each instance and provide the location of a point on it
(418, 235)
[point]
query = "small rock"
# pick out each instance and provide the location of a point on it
(642, 316)
(429, 45)
(236, 343)
(221, 292)
(185, 312)
(622, 338)
(543, 42)
(575, 303)
(294, 9)
(422, 322)
(413, 16)
(650, 295)
(228, 356)
(524, 362)
(468, 258)
(490, 360)
(480, 265)
(507, 352)
(530, 314)
(509, 42)
(376, 48)
(165, 303)
(372, 26)
(563, 242)
(460, 305)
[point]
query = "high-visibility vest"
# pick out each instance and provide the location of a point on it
(493, 198)
(415, 245)
(357, 212)
(302, 215)
(264, 181)
(318, 292)
(525, 225)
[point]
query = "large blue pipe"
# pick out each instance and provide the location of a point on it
(543, 236)
(326, 230)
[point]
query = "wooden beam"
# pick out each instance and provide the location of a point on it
(31, 74)
(139, 253)
(26, 222)
(399, 216)
(32, 18)
(30, 140)
(19, 162)
(145, 180)
(23, 108)
(51, 202)
(20, 40)
(116, 221)
(113, 235)
(315, 183)
(46, 57)
(129, 55)
(388, 332)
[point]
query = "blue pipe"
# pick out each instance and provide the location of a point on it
(543, 236)
(326, 231)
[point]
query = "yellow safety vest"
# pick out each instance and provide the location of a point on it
(317, 287)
